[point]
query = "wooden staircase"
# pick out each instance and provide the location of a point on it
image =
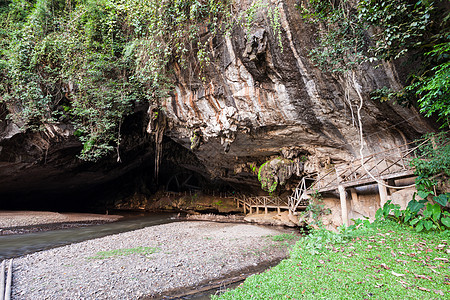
(386, 166)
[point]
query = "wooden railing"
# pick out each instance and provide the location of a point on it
(258, 202)
(387, 164)
(381, 165)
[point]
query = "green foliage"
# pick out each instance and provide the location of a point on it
(432, 164)
(265, 176)
(274, 173)
(371, 31)
(433, 86)
(273, 15)
(433, 216)
(423, 30)
(341, 41)
(321, 240)
(315, 209)
(89, 62)
(344, 39)
(401, 25)
(218, 203)
(381, 262)
(196, 139)
(124, 252)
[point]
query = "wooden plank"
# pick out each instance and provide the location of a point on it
(398, 175)
(366, 181)
(273, 206)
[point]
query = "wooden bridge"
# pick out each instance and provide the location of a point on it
(261, 202)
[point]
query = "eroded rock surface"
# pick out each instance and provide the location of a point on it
(261, 97)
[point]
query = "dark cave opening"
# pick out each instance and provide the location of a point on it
(98, 186)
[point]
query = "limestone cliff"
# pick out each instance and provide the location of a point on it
(263, 97)
(260, 97)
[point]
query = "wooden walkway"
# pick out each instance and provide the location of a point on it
(386, 166)
(258, 203)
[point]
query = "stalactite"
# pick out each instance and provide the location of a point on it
(157, 126)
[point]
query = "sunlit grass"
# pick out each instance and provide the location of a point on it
(284, 237)
(388, 262)
(124, 252)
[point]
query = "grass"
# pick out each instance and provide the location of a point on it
(283, 237)
(124, 252)
(385, 262)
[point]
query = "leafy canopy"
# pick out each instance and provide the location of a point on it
(89, 62)
(369, 31)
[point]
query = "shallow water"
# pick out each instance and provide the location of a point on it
(17, 245)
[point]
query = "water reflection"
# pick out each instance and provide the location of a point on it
(17, 245)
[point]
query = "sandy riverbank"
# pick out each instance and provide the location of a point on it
(185, 254)
(10, 219)
(20, 222)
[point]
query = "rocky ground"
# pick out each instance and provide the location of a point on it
(271, 218)
(176, 255)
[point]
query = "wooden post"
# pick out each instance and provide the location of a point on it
(343, 197)
(2, 281)
(391, 182)
(278, 209)
(9, 281)
(354, 195)
(383, 194)
(245, 208)
(257, 208)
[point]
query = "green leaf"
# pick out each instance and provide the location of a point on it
(379, 214)
(427, 213)
(407, 217)
(415, 206)
(436, 211)
(428, 224)
(419, 227)
(423, 194)
(414, 222)
(442, 199)
(446, 221)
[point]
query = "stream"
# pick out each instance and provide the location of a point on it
(18, 245)
(12, 246)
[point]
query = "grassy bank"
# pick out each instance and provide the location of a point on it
(384, 262)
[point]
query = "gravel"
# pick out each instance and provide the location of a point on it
(187, 254)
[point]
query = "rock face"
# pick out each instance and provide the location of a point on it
(261, 97)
